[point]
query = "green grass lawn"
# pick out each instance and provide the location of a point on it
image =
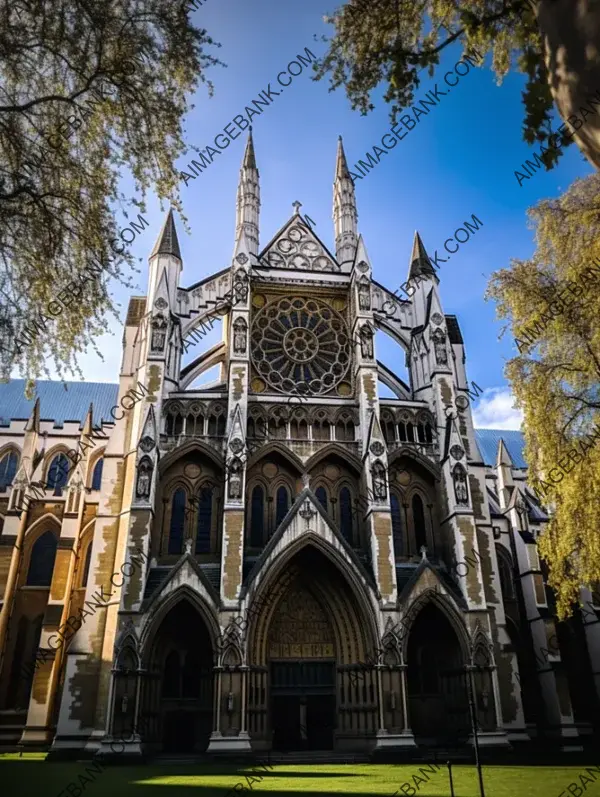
(31, 776)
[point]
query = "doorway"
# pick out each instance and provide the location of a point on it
(302, 705)
(438, 702)
(177, 691)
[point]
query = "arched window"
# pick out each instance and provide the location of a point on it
(41, 563)
(321, 494)
(205, 503)
(299, 429)
(86, 566)
(397, 524)
(177, 522)
(505, 574)
(428, 433)
(421, 433)
(410, 433)
(8, 469)
(419, 522)
(171, 686)
(58, 474)
(257, 517)
(402, 432)
(97, 474)
(346, 514)
(282, 505)
(321, 430)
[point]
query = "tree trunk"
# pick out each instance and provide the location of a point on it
(571, 33)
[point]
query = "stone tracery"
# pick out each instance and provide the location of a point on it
(300, 340)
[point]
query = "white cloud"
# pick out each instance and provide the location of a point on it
(496, 410)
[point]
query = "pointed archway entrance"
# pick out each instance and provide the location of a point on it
(303, 649)
(178, 693)
(437, 688)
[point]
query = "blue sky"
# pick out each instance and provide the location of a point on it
(459, 160)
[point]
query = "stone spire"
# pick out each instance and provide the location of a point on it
(167, 242)
(248, 198)
(420, 264)
(344, 210)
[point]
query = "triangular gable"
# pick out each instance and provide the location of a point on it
(296, 246)
(185, 572)
(294, 526)
(424, 579)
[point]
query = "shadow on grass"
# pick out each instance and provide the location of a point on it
(37, 778)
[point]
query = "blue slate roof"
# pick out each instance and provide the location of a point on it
(488, 439)
(59, 402)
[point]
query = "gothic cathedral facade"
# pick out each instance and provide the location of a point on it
(282, 559)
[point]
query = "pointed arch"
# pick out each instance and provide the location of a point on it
(266, 590)
(9, 464)
(188, 448)
(57, 473)
(97, 469)
(276, 447)
(411, 453)
(444, 603)
(42, 557)
(48, 519)
(160, 610)
(330, 449)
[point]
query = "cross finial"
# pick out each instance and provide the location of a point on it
(296, 205)
(423, 551)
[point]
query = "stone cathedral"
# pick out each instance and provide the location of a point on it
(281, 559)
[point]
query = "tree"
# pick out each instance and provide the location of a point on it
(552, 304)
(391, 41)
(87, 91)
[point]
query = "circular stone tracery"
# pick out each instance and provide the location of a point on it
(300, 345)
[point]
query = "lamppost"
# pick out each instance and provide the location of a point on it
(470, 669)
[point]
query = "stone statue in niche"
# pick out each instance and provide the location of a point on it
(366, 342)
(144, 478)
(364, 296)
(379, 486)
(459, 477)
(235, 480)
(239, 336)
(439, 345)
(159, 332)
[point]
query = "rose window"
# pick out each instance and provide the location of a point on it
(300, 345)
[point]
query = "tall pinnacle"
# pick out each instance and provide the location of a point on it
(341, 165)
(248, 197)
(167, 242)
(344, 210)
(249, 161)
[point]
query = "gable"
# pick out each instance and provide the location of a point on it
(297, 247)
